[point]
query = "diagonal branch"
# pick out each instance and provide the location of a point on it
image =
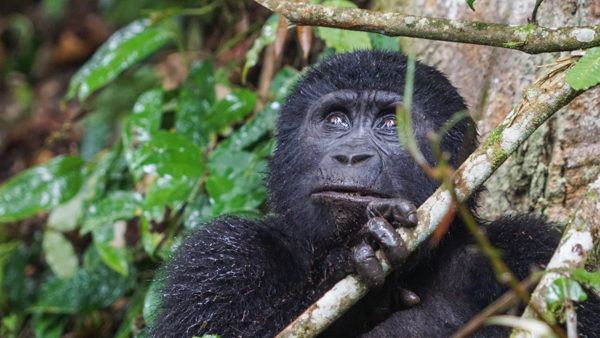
(528, 38)
(542, 100)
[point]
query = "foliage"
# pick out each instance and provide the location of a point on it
(586, 72)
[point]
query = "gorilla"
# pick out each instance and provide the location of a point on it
(339, 184)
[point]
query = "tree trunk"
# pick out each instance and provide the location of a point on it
(549, 174)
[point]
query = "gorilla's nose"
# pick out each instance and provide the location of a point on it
(352, 159)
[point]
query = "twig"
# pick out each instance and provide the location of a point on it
(527, 38)
(578, 240)
(535, 11)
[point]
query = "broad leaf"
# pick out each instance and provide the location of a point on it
(122, 50)
(40, 188)
(235, 106)
(59, 254)
(196, 97)
(101, 216)
(91, 288)
(589, 279)
(586, 72)
(115, 258)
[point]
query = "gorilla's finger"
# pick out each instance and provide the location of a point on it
(367, 265)
(405, 213)
(407, 298)
(390, 241)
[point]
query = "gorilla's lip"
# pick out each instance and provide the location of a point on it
(358, 195)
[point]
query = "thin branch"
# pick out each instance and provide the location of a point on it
(579, 239)
(528, 38)
(542, 100)
(536, 7)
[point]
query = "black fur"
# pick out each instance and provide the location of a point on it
(240, 277)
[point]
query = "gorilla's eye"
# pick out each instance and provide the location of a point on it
(387, 122)
(337, 119)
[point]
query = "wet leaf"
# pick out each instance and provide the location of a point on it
(91, 288)
(123, 49)
(59, 254)
(195, 100)
(166, 153)
(264, 121)
(114, 258)
(586, 72)
(267, 37)
(118, 205)
(562, 289)
(235, 106)
(40, 188)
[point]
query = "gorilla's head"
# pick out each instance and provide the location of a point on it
(337, 145)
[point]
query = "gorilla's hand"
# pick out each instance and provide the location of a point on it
(383, 216)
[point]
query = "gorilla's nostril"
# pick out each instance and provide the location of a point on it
(343, 159)
(356, 159)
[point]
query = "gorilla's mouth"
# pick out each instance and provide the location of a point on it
(344, 194)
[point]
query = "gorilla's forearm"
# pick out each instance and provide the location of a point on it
(233, 278)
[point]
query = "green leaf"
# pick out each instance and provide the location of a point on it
(166, 153)
(264, 121)
(118, 205)
(152, 300)
(122, 50)
(560, 290)
(167, 191)
(150, 240)
(196, 98)
(586, 72)
(384, 42)
(266, 37)
(236, 181)
(114, 258)
(65, 216)
(235, 106)
(48, 325)
(91, 288)
(471, 3)
(40, 188)
(340, 39)
(589, 279)
(59, 254)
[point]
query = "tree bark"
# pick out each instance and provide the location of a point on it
(549, 174)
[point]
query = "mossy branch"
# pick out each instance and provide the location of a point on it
(542, 99)
(528, 38)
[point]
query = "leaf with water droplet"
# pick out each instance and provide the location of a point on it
(196, 97)
(123, 49)
(40, 188)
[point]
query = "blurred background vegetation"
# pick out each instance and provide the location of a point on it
(123, 125)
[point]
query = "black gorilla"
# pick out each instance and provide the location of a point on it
(337, 157)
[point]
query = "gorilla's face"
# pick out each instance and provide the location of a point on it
(356, 134)
(347, 156)
(337, 145)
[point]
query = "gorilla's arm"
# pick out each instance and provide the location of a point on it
(235, 277)
(460, 281)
